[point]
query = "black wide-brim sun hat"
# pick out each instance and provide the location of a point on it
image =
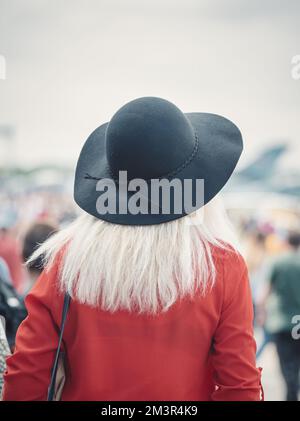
(150, 138)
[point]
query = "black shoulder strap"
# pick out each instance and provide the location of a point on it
(51, 388)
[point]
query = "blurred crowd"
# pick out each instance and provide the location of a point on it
(27, 219)
(273, 259)
(271, 250)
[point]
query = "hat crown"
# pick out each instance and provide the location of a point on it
(149, 138)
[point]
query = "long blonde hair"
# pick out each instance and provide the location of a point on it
(141, 268)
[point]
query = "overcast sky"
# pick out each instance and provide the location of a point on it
(72, 63)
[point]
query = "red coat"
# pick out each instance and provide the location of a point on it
(201, 349)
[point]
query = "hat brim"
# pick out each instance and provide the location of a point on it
(220, 145)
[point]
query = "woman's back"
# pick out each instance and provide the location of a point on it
(200, 349)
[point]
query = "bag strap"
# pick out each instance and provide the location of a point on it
(51, 388)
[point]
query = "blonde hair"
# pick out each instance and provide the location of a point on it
(141, 268)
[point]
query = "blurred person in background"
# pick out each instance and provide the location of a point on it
(4, 272)
(255, 257)
(8, 320)
(277, 309)
(4, 352)
(35, 236)
(10, 252)
(12, 310)
(12, 307)
(257, 263)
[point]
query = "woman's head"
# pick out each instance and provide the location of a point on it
(152, 163)
(143, 268)
(137, 178)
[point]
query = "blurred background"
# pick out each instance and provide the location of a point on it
(67, 66)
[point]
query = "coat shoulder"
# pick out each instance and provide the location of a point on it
(230, 266)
